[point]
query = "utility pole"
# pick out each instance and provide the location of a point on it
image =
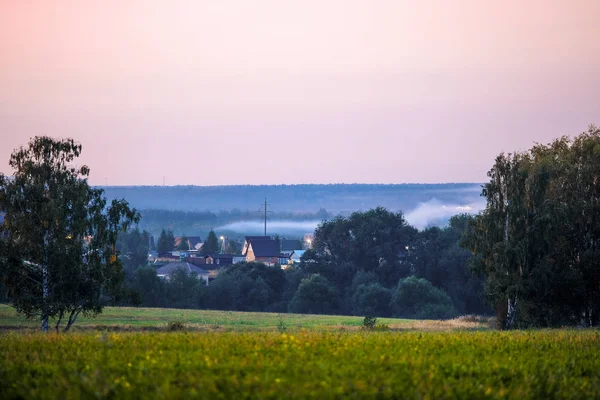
(265, 216)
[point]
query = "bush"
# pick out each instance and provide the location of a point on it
(369, 323)
(417, 298)
(315, 295)
(371, 299)
(174, 326)
(381, 327)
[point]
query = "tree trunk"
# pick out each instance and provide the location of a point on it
(72, 319)
(512, 312)
(60, 317)
(501, 312)
(45, 286)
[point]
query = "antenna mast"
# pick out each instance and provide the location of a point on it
(265, 216)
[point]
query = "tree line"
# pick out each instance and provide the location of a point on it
(538, 239)
(532, 254)
(370, 263)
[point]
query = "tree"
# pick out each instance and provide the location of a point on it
(211, 244)
(133, 247)
(372, 300)
(437, 257)
(538, 241)
(315, 295)
(166, 242)
(369, 241)
(58, 244)
(183, 244)
(247, 287)
(233, 247)
(417, 298)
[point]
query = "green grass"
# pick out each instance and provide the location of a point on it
(306, 364)
(130, 318)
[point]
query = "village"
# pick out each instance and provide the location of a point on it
(271, 251)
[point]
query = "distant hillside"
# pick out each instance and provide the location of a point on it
(342, 198)
(294, 209)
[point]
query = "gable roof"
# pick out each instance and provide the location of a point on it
(265, 248)
(187, 267)
(250, 239)
(297, 254)
(193, 241)
(289, 245)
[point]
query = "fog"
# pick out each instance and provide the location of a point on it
(436, 213)
(430, 213)
(291, 228)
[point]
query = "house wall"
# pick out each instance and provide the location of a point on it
(267, 260)
(250, 254)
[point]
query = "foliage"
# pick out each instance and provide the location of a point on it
(166, 242)
(184, 290)
(246, 287)
(58, 243)
(381, 327)
(417, 298)
(369, 323)
(211, 244)
(133, 247)
(183, 244)
(174, 326)
(523, 365)
(315, 295)
(372, 300)
(369, 241)
(538, 240)
(281, 325)
(233, 247)
(437, 257)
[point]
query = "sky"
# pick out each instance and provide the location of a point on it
(204, 92)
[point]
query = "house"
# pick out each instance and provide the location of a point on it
(262, 250)
(239, 259)
(166, 270)
(288, 245)
(152, 255)
(249, 239)
(193, 242)
(219, 260)
(296, 255)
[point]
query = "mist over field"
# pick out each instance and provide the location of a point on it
(293, 209)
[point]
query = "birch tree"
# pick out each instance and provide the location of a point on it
(57, 244)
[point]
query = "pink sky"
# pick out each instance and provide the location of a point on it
(309, 91)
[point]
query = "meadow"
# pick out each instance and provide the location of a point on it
(302, 364)
(156, 319)
(130, 353)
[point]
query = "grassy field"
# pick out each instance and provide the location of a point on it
(138, 319)
(305, 364)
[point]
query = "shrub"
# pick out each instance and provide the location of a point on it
(417, 298)
(281, 326)
(381, 327)
(315, 295)
(369, 323)
(174, 326)
(371, 299)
